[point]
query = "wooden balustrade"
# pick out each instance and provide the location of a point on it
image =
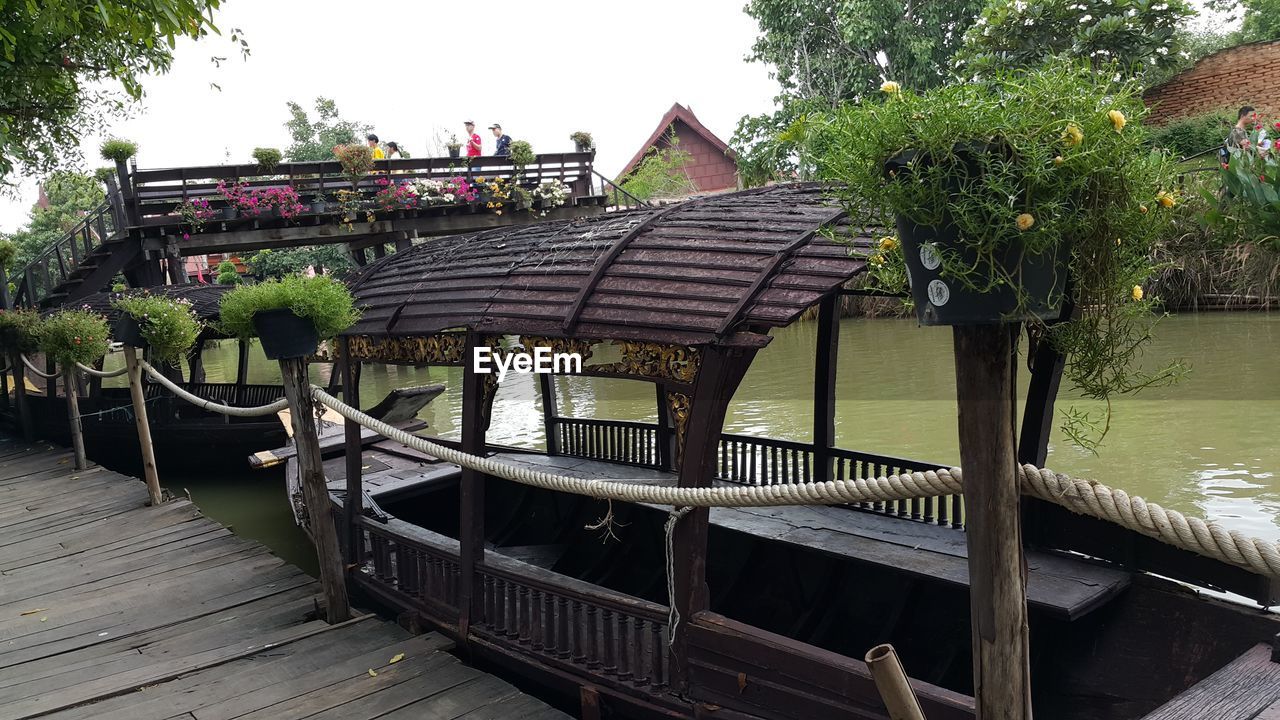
(620, 441)
(409, 566)
(41, 277)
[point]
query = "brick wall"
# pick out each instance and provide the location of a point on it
(1242, 75)
(709, 169)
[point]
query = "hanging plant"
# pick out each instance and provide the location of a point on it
(169, 327)
(118, 150)
(19, 330)
(74, 336)
(324, 301)
(267, 158)
(1011, 195)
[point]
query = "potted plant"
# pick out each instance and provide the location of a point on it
(19, 330)
(195, 213)
(169, 327)
(454, 147)
(356, 161)
(582, 141)
(267, 158)
(1012, 195)
(73, 336)
(234, 195)
(522, 154)
(550, 195)
(290, 315)
(119, 151)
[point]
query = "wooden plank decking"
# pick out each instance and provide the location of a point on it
(112, 609)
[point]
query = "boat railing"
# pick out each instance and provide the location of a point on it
(410, 566)
(751, 460)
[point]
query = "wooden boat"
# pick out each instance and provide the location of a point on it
(740, 613)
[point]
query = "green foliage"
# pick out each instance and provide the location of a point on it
(292, 261)
(825, 53)
(67, 67)
(321, 299)
(314, 140)
(1251, 209)
(356, 160)
(1261, 20)
(19, 330)
(522, 154)
(74, 336)
(267, 158)
(103, 174)
(8, 252)
(582, 138)
(227, 274)
(661, 174)
(169, 326)
(1133, 35)
(70, 195)
(1193, 134)
(1027, 162)
(118, 150)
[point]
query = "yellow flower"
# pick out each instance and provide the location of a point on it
(1073, 135)
(1142, 209)
(877, 259)
(1137, 292)
(1117, 119)
(1057, 161)
(1025, 221)
(480, 179)
(888, 243)
(890, 87)
(1165, 199)
(1117, 241)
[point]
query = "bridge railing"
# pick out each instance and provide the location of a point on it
(41, 277)
(159, 193)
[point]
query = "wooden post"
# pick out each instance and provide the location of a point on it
(354, 505)
(144, 427)
(302, 412)
(242, 363)
(666, 450)
(20, 396)
(73, 417)
(475, 424)
(550, 428)
(985, 391)
(824, 388)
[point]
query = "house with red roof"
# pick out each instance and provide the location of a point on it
(712, 166)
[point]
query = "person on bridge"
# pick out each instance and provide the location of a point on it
(373, 145)
(393, 151)
(504, 141)
(473, 140)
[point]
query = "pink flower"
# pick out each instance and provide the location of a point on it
(186, 236)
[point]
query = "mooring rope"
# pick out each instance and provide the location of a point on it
(27, 361)
(100, 373)
(1081, 496)
(257, 411)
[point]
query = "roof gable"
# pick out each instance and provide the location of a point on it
(683, 114)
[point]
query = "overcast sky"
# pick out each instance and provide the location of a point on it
(409, 67)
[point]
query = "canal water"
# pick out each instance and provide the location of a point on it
(1208, 446)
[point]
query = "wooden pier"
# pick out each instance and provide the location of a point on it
(113, 609)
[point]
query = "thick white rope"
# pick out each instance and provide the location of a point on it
(210, 405)
(1081, 496)
(99, 373)
(27, 361)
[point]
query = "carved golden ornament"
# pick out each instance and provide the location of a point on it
(439, 349)
(678, 363)
(558, 344)
(679, 405)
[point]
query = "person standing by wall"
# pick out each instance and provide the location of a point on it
(373, 145)
(504, 141)
(473, 140)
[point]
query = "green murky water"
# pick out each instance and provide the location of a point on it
(1209, 446)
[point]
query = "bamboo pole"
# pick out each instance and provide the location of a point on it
(985, 362)
(893, 684)
(73, 416)
(302, 414)
(149, 472)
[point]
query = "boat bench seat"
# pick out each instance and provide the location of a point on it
(1061, 586)
(1248, 688)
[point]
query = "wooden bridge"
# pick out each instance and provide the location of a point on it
(140, 230)
(111, 609)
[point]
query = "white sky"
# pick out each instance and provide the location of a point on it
(543, 69)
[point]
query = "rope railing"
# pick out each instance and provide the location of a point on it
(1081, 496)
(203, 404)
(31, 366)
(101, 373)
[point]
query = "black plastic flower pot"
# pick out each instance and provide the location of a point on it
(230, 213)
(127, 331)
(455, 152)
(582, 147)
(285, 335)
(1042, 279)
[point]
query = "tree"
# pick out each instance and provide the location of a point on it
(827, 53)
(227, 274)
(314, 140)
(1134, 35)
(70, 196)
(68, 66)
(292, 261)
(1261, 20)
(661, 173)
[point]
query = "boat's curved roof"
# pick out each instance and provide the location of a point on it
(703, 271)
